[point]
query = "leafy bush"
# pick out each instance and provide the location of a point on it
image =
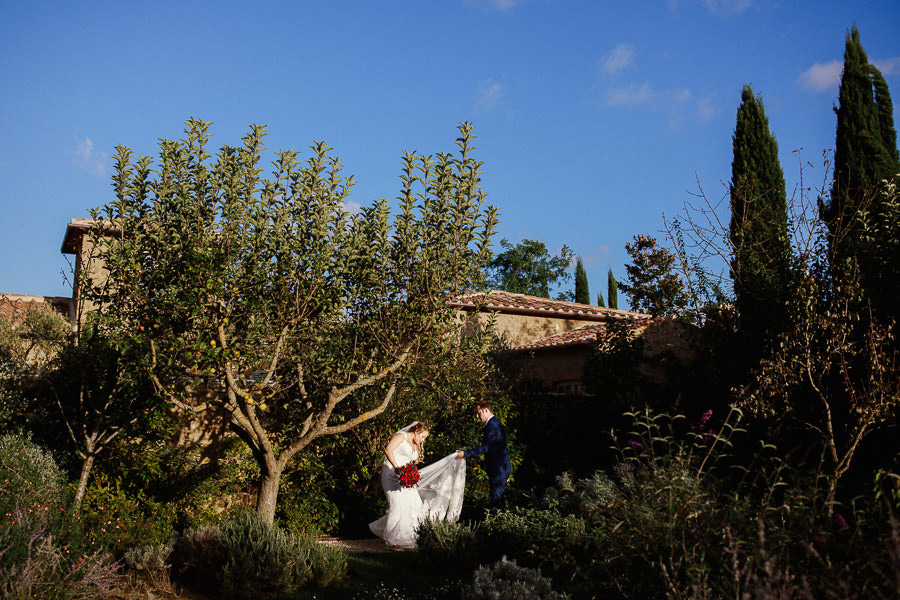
(116, 518)
(681, 516)
(197, 555)
(33, 565)
(245, 558)
(259, 558)
(440, 538)
(505, 580)
(150, 566)
(29, 475)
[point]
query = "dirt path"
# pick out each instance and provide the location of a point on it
(355, 546)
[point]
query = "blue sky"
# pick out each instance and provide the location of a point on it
(594, 118)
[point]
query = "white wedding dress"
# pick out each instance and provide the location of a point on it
(438, 495)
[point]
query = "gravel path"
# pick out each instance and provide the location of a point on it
(355, 546)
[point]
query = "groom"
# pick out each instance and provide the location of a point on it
(497, 457)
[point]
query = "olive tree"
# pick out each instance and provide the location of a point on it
(265, 301)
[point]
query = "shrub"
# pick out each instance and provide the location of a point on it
(151, 566)
(505, 580)
(117, 518)
(197, 555)
(693, 511)
(246, 558)
(260, 558)
(28, 475)
(32, 565)
(438, 539)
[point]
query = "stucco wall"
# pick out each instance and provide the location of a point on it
(517, 330)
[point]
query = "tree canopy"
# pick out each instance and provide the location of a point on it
(652, 284)
(758, 229)
(582, 290)
(529, 268)
(292, 316)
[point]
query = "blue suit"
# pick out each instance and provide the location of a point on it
(496, 459)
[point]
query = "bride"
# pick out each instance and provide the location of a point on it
(437, 495)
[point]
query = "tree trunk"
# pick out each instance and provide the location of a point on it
(268, 494)
(86, 467)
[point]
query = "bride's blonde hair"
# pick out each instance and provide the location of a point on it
(418, 428)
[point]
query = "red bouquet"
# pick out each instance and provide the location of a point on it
(408, 475)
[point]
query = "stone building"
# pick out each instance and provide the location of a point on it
(555, 337)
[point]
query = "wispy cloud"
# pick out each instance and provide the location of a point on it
(597, 256)
(503, 5)
(489, 93)
(619, 58)
(727, 7)
(826, 77)
(888, 66)
(680, 103)
(822, 77)
(89, 159)
(716, 7)
(706, 110)
(352, 207)
(631, 95)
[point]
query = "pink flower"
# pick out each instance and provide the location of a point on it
(637, 445)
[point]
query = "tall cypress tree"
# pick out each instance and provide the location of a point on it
(582, 295)
(865, 154)
(758, 228)
(600, 302)
(612, 290)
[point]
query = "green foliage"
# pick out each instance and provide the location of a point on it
(29, 475)
(600, 301)
(652, 284)
(252, 559)
(98, 396)
(611, 371)
(438, 539)
(693, 509)
(31, 340)
(27, 344)
(247, 558)
(833, 370)
(34, 565)
(506, 580)
(758, 230)
(865, 139)
(865, 157)
(582, 292)
(272, 292)
(309, 488)
(116, 518)
(612, 290)
(197, 556)
(150, 566)
(879, 261)
(529, 268)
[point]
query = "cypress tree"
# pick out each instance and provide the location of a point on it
(582, 295)
(612, 291)
(600, 302)
(865, 155)
(758, 228)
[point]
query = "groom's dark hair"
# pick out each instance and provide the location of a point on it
(484, 405)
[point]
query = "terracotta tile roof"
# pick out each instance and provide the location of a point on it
(582, 336)
(14, 306)
(508, 302)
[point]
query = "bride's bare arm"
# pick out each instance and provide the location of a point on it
(397, 439)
